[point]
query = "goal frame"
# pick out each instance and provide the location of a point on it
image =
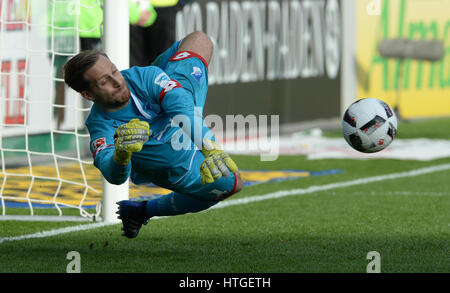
(115, 41)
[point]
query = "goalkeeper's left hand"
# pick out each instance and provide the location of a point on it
(217, 163)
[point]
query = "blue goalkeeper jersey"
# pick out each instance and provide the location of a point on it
(157, 99)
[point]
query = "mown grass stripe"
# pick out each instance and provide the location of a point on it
(257, 198)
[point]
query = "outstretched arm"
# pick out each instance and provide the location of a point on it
(112, 148)
(102, 149)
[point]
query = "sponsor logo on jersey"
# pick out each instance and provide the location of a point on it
(188, 54)
(162, 79)
(197, 73)
(168, 86)
(181, 56)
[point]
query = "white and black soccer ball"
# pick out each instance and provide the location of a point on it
(369, 125)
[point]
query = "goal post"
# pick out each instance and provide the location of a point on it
(116, 44)
(46, 169)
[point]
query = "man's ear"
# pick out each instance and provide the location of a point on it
(87, 96)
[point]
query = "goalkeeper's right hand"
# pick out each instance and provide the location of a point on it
(129, 138)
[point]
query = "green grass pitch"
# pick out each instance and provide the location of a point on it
(406, 220)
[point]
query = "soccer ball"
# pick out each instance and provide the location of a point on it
(369, 125)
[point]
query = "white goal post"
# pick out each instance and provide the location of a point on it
(46, 169)
(116, 43)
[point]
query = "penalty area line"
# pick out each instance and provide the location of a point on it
(251, 199)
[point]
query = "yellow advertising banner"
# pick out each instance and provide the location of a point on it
(417, 89)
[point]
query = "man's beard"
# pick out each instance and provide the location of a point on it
(118, 104)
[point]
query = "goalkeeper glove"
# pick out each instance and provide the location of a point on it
(129, 138)
(216, 163)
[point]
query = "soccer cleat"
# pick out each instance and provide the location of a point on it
(132, 214)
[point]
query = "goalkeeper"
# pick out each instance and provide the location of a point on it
(138, 125)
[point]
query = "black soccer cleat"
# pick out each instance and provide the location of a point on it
(132, 214)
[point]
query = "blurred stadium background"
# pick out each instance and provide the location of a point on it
(300, 63)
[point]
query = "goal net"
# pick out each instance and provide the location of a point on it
(46, 167)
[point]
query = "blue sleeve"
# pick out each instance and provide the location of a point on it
(172, 98)
(162, 60)
(179, 104)
(102, 149)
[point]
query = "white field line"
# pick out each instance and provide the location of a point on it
(55, 232)
(312, 189)
(246, 200)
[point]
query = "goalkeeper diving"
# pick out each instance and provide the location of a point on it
(136, 123)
